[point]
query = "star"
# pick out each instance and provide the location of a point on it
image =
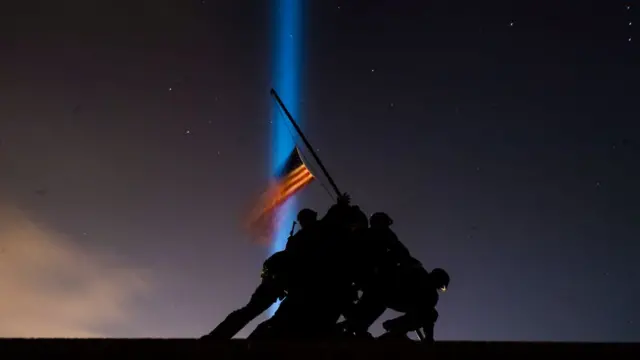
(170, 89)
(511, 23)
(187, 132)
(373, 70)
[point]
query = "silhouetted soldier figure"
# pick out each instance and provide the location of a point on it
(338, 212)
(348, 226)
(308, 234)
(410, 290)
(273, 287)
(416, 295)
(390, 278)
(378, 251)
(316, 300)
(378, 255)
(381, 236)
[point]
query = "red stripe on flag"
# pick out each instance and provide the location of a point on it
(262, 222)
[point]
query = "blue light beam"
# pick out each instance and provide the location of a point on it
(286, 50)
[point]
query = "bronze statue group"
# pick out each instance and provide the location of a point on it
(343, 265)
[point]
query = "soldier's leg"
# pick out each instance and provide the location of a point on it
(412, 321)
(284, 324)
(394, 336)
(264, 296)
(262, 332)
(401, 324)
(365, 312)
(430, 322)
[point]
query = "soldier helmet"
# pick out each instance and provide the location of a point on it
(380, 219)
(440, 278)
(307, 216)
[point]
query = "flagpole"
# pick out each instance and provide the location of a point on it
(306, 142)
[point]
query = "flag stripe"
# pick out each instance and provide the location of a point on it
(263, 219)
(297, 186)
(283, 193)
(301, 176)
(300, 169)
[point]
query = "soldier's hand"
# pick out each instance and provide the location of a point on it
(344, 199)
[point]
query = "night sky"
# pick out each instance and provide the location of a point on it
(503, 137)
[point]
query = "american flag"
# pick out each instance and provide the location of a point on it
(293, 177)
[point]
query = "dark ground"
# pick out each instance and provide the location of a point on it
(241, 349)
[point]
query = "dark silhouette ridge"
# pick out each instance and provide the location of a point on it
(243, 349)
